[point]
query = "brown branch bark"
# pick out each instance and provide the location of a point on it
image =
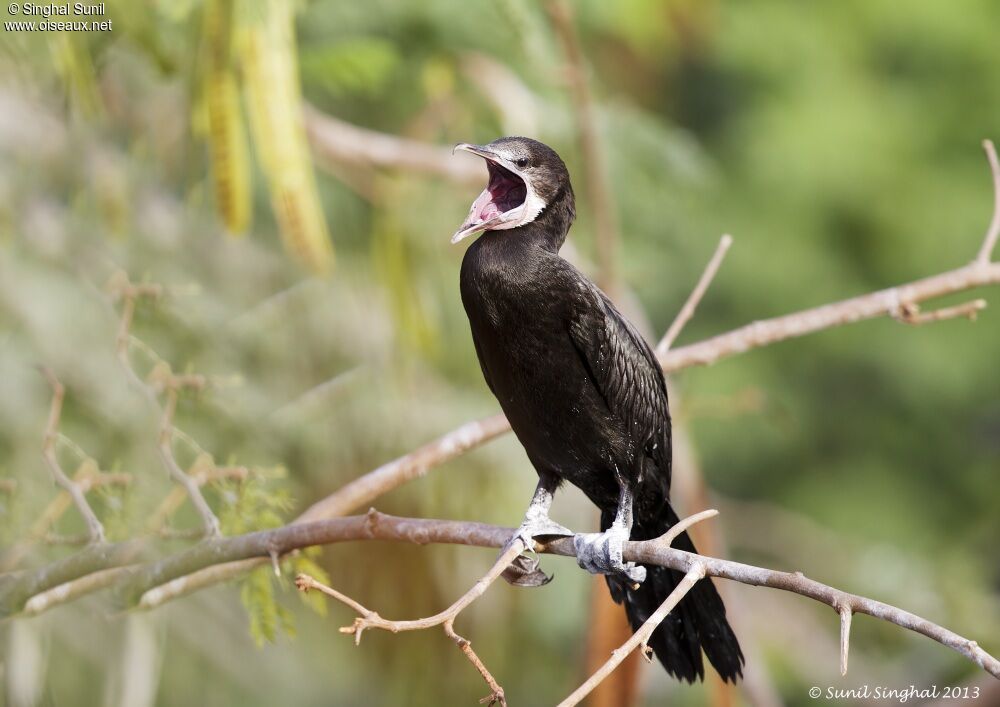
(640, 637)
(689, 307)
(162, 379)
(993, 232)
(336, 142)
(369, 619)
(379, 526)
(95, 530)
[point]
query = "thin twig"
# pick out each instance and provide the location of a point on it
(687, 311)
(640, 637)
(993, 232)
(163, 380)
(682, 525)
(95, 530)
(369, 619)
(911, 314)
(209, 522)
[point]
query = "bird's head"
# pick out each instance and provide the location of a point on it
(526, 180)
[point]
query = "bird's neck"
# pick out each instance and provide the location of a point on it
(549, 230)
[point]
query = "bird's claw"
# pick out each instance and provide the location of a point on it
(601, 553)
(523, 571)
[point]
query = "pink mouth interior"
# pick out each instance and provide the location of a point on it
(504, 192)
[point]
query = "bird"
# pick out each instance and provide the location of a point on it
(585, 397)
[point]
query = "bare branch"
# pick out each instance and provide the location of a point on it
(335, 142)
(367, 488)
(95, 530)
(808, 321)
(369, 619)
(16, 588)
(162, 379)
(640, 637)
(682, 525)
(687, 311)
(650, 552)
(210, 524)
(73, 589)
(993, 232)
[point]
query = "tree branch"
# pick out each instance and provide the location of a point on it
(370, 619)
(640, 637)
(993, 232)
(687, 311)
(335, 141)
(164, 380)
(95, 530)
(378, 526)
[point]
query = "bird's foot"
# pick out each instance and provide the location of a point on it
(523, 571)
(601, 553)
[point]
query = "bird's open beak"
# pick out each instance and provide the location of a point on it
(501, 201)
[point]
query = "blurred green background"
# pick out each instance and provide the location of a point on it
(838, 142)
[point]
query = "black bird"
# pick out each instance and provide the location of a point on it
(583, 393)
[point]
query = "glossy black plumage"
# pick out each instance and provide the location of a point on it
(587, 400)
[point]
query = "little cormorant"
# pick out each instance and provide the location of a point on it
(584, 395)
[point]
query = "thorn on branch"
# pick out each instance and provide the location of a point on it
(845, 636)
(909, 312)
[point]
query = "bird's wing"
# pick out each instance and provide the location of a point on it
(625, 372)
(482, 364)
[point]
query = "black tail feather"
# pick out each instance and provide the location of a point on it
(698, 623)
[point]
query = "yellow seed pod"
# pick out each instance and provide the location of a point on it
(266, 47)
(227, 142)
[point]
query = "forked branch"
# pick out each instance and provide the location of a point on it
(369, 619)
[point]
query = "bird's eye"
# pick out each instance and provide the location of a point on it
(521, 162)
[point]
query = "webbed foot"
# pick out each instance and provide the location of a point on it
(523, 571)
(601, 553)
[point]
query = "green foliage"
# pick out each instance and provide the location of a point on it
(254, 504)
(360, 65)
(267, 616)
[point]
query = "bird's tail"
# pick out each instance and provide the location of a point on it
(697, 624)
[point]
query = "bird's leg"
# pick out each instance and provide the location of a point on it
(524, 570)
(601, 553)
